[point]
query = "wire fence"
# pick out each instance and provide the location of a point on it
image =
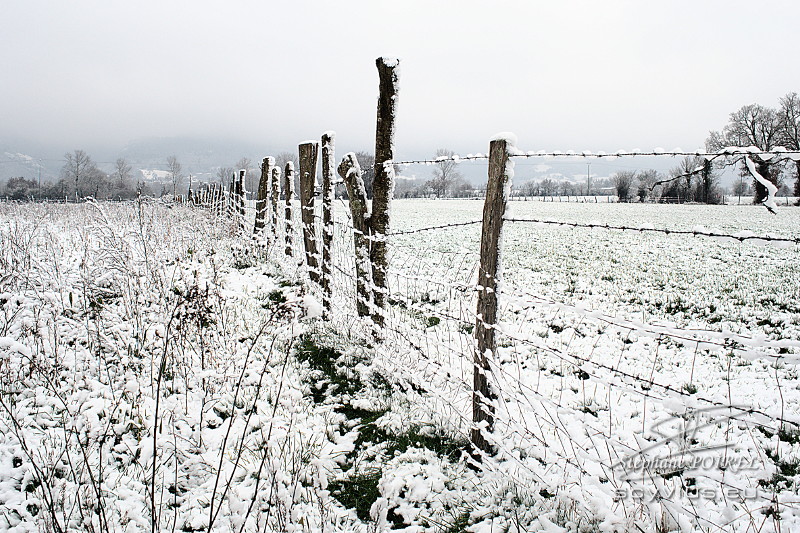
(587, 403)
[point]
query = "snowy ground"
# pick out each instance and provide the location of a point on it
(161, 371)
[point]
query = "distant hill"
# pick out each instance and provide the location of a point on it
(196, 155)
(200, 157)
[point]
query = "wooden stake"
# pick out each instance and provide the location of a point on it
(494, 209)
(288, 193)
(327, 216)
(267, 165)
(308, 175)
(274, 194)
(350, 172)
(383, 185)
(240, 197)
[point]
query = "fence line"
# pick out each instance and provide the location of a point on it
(482, 352)
(436, 317)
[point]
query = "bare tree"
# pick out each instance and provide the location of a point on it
(648, 180)
(529, 188)
(445, 173)
(789, 120)
(81, 175)
(122, 179)
(122, 172)
(623, 182)
(547, 187)
(752, 125)
(175, 174)
(224, 174)
(741, 188)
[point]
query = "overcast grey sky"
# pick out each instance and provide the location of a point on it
(582, 75)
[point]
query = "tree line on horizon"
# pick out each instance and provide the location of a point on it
(693, 180)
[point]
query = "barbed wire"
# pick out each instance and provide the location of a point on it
(588, 154)
(568, 451)
(741, 237)
(432, 228)
(696, 232)
(684, 336)
(649, 382)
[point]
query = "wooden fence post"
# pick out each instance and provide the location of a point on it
(350, 172)
(288, 193)
(328, 162)
(275, 193)
(263, 190)
(229, 197)
(383, 184)
(240, 197)
(218, 199)
(308, 175)
(494, 209)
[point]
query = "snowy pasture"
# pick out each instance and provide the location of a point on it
(160, 371)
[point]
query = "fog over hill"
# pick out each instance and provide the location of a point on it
(198, 156)
(203, 156)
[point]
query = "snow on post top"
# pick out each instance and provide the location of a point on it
(507, 136)
(329, 133)
(391, 62)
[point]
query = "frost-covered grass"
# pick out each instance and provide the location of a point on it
(148, 377)
(162, 371)
(607, 338)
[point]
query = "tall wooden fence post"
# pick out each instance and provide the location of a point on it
(308, 175)
(263, 190)
(383, 184)
(350, 172)
(230, 203)
(328, 162)
(494, 208)
(288, 193)
(274, 194)
(240, 197)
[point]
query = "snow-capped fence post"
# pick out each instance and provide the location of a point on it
(327, 216)
(494, 209)
(308, 175)
(350, 171)
(288, 193)
(240, 197)
(383, 183)
(218, 199)
(263, 189)
(230, 203)
(274, 194)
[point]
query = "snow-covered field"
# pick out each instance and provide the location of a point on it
(160, 371)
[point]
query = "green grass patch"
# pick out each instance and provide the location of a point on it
(442, 445)
(327, 361)
(786, 474)
(358, 492)
(460, 524)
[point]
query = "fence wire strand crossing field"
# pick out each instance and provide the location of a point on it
(630, 395)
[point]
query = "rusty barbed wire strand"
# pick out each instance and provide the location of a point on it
(693, 232)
